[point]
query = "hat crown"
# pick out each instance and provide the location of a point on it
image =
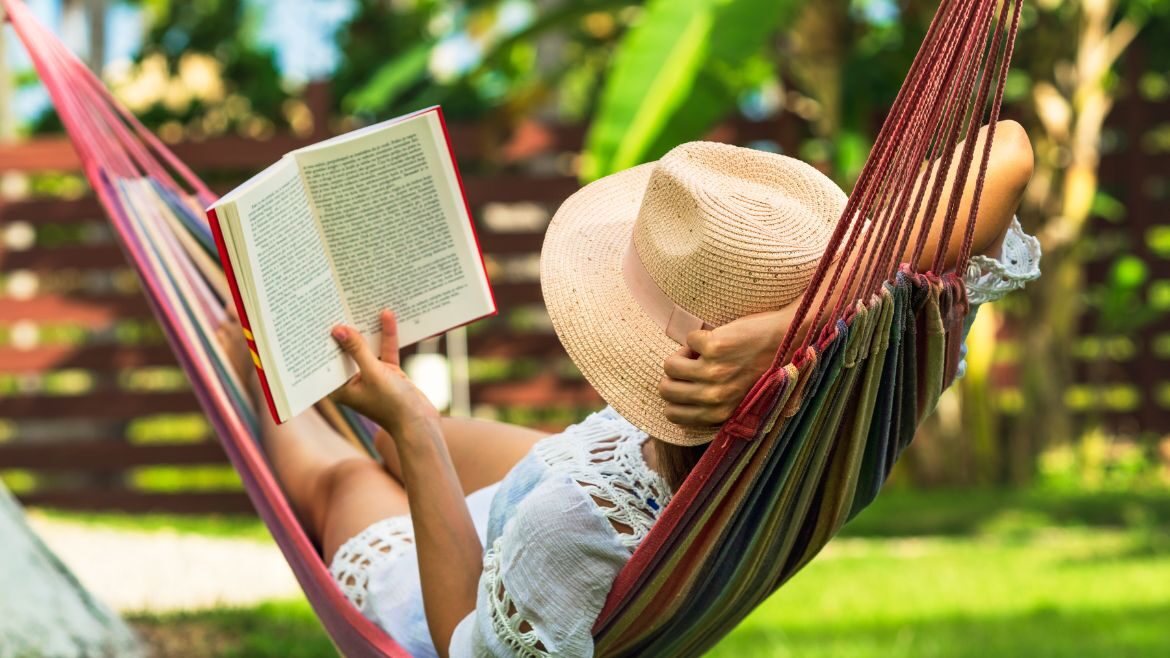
(727, 231)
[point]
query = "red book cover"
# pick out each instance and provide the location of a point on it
(467, 209)
(231, 278)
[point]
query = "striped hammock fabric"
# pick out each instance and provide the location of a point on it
(809, 447)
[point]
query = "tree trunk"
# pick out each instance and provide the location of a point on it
(96, 54)
(44, 611)
(1073, 98)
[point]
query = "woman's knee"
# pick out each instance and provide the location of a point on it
(330, 486)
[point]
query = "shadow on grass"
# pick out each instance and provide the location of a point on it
(280, 629)
(962, 513)
(1040, 633)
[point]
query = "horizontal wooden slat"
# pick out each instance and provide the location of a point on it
(509, 345)
(517, 294)
(49, 154)
(232, 152)
(141, 502)
(105, 405)
(511, 189)
(96, 257)
(93, 357)
(94, 311)
(510, 243)
(54, 211)
(112, 455)
(543, 390)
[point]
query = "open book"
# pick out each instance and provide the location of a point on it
(335, 232)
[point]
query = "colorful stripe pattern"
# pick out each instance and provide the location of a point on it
(766, 507)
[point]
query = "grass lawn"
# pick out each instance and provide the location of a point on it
(951, 574)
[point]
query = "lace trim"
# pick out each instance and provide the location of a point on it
(988, 278)
(507, 623)
(380, 542)
(603, 454)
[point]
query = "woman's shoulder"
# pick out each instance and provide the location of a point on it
(601, 459)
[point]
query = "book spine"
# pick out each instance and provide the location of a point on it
(221, 247)
(470, 218)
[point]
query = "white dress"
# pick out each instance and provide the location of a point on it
(561, 525)
(557, 530)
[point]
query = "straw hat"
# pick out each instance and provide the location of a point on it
(634, 261)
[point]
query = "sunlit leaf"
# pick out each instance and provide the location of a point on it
(676, 73)
(395, 77)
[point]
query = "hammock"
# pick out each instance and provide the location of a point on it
(809, 447)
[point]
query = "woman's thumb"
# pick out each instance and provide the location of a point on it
(352, 344)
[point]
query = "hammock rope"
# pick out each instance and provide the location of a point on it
(809, 447)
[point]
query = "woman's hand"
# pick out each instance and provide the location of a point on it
(707, 379)
(381, 390)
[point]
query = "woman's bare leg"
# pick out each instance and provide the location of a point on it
(482, 451)
(336, 489)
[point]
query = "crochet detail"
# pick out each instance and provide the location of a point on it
(989, 278)
(605, 458)
(380, 542)
(507, 622)
(603, 455)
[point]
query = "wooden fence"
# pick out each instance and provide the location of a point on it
(94, 411)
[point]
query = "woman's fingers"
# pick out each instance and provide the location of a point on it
(352, 344)
(681, 366)
(692, 416)
(680, 392)
(389, 349)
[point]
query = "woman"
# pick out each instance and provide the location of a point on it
(671, 286)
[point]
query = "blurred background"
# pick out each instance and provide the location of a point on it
(1031, 516)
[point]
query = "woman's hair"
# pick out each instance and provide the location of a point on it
(675, 463)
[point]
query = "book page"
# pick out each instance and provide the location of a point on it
(397, 231)
(293, 284)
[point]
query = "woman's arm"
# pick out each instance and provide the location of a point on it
(705, 380)
(450, 558)
(482, 451)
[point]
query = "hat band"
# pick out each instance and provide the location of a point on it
(675, 320)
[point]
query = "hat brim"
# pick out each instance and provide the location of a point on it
(617, 347)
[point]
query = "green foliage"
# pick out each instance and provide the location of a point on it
(680, 69)
(180, 479)
(385, 50)
(1099, 463)
(389, 48)
(390, 81)
(226, 31)
(1120, 301)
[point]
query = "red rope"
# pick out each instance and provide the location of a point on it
(1005, 65)
(928, 117)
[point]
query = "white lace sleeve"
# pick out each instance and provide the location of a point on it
(545, 578)
(989, 278)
